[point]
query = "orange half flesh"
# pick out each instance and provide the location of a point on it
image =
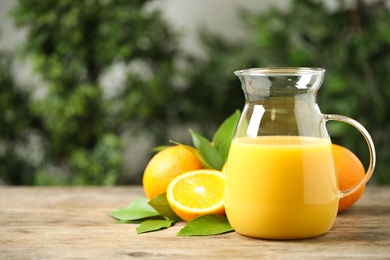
(197, 193)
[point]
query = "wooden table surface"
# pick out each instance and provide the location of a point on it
(73, 223)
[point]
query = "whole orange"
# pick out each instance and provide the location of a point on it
(350, 171)
(165, 166)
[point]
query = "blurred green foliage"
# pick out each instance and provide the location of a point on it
(15, 120)
(73, 44)
(351, 43)
(70, 133)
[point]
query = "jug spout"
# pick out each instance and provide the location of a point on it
(281, 101)
(259, 83)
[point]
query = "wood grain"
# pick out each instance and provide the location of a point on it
(73, 223)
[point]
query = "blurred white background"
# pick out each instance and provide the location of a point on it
(187, 17)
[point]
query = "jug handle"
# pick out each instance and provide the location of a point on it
(370, 144)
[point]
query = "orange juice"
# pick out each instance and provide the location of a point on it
(281, 187)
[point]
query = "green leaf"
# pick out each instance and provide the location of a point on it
(138, 209)
(196, 153)
(160, 203)
(129, 221)
(153, 225)
(224, 135)
(208, 152)
(159, 148)
(206, 225)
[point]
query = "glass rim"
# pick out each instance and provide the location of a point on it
(280, 71)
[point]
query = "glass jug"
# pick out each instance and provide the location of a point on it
(280, 180)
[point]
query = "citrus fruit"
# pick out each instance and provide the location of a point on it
(224, 168)
(197, 193)
(350, 172)
(166, 165)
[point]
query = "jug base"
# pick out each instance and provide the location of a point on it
(280, 237)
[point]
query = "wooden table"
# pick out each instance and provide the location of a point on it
(73, 222)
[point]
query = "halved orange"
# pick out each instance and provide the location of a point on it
(197, 193)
